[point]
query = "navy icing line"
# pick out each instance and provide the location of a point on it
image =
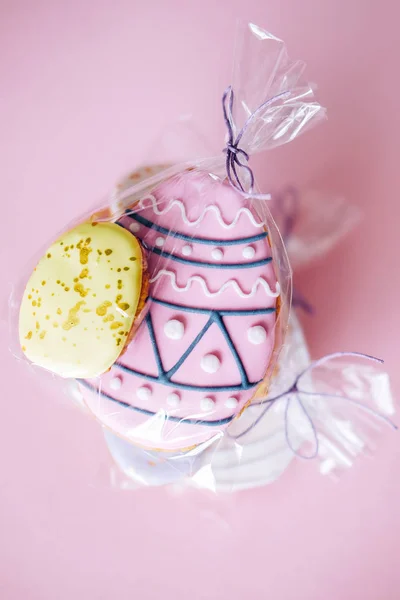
(150, 413)
(213, 318)
(222, 313)
(189, 350)
(198, 263)
(199, 240)
(217, 319)
(165, 376)
(150, 327)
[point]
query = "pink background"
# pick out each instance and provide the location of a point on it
(85, 88)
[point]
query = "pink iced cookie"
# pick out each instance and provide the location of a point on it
(206, 341)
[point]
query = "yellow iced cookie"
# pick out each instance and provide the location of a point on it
(80, 302)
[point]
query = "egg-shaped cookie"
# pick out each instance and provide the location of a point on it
(204, 348)
(81, 300)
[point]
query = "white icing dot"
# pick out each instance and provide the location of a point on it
(231, 402)
(116, 383)
(217, 254)
(256, 335)
(207, 403)
(143, 393)
(134, 227)
(248, 252)
(174, 329)
(210, 363)
(187, 250)
(160, 241)
(173, 399)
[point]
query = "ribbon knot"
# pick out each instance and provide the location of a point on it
(236, 157)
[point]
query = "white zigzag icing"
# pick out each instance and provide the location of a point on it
(209, 208)
(260, 282)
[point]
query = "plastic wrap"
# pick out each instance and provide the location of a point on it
(169, 304)
(163, 312)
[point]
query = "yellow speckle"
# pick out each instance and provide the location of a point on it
(119, 284)
(119, 269)
(34, 303)
(55, 324)
(66, 289)
(123, 305)
(118, 298)
(64, 339)
(42, 334)
(78, 287)
(132, 258)
(108, 252)
(28, 335)
(76, 279)
(59, 311)
(58, 281)
(72, 319)
(63, 284)
(86, 310)
(107, 286)
(84, 255)
(48, 255)
(84, 273)
(102, 309)
(23, 348)
(108, 318)
(29, 297)
(99, 252)
(43, 282)
(37, 325)
(116, 325)
(118, 341)
(126, 268)
(47, 317)
(88, 240)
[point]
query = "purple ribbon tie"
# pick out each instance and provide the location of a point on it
(236, 157)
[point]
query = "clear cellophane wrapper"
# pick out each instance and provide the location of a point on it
(167, 417)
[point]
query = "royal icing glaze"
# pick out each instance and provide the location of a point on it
(207, 404)
(81, 300)
(187, 250)
(217, 254)
(207, 209)
(256, 334)
(174, 329)
(248, 252)
(216, 302)
(210, 363)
